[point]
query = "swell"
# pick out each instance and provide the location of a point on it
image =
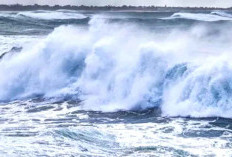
(43, 22)
(113, 67)
(37, 22)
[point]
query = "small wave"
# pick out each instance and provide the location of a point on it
(47, 15)
(214, 16)
(7, 15)
(221, 13)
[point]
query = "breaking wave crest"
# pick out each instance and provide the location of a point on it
(44, 15)
(52, 15)
(208, 17)
(113, 67)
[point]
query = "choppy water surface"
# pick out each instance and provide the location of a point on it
(81, 83)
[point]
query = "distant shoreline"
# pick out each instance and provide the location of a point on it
(18, 7)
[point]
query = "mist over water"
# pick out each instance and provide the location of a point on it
(115, 83)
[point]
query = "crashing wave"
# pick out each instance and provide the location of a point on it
(113, 67)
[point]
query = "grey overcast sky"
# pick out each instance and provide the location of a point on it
(176, 3)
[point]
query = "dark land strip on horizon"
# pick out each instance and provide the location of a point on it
(18, 7)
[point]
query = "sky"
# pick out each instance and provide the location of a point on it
(174, 3)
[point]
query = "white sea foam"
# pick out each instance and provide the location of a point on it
(121, 67)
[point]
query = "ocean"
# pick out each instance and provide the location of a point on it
(116, 83)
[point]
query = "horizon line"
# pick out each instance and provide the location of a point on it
(109, 6)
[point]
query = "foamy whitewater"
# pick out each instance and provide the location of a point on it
(116, 83)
